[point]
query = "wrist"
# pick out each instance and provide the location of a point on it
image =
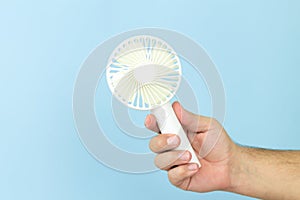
(244, 173)
(236, 168)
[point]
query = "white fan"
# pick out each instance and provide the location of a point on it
(144, 73)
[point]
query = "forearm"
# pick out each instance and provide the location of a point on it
(266, 174)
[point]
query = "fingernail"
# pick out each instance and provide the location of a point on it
(173, 141)
(185, 156)
(193, 167)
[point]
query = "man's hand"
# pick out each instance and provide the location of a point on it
(261, 173)
(211, 143)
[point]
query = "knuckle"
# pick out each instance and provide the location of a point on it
(214, 122)
(180, 171)
(164, 160)
(151, 145)
(156, 144)
(157, 161)
(176, 175)
(160, 142)
(171, 178)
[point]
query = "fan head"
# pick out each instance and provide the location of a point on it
(143, 72)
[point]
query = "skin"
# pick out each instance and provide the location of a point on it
(260, 173)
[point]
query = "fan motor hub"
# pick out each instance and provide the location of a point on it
(145, 73)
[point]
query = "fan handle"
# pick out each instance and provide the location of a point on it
(168, 123)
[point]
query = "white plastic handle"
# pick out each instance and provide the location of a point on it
(168, 123)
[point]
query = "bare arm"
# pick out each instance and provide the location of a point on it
(266, 174)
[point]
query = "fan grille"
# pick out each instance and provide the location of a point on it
(143, 72)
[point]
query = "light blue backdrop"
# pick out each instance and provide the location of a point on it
(254, 44)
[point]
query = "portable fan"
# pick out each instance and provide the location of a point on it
(144, 73)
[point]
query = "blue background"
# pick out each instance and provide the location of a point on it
(254, 44)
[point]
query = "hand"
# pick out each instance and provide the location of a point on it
(214, 149)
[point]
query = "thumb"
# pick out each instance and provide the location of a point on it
(190, 121)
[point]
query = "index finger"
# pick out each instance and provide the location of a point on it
(150, 123)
